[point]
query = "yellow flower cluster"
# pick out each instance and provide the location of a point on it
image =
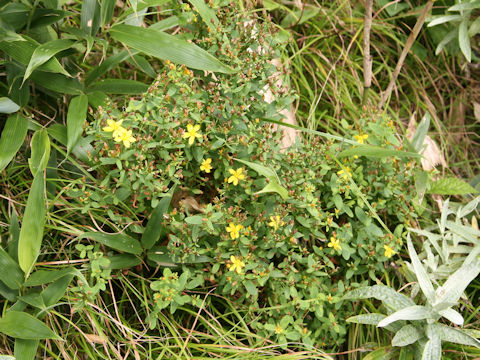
(236, 176)
(389, 252)
(236, 264)
(335, 244)
(361, 138)
(192, 133)
(234, 230)
(206, 165)
(276, 222)
(119, 133)
(345, 174)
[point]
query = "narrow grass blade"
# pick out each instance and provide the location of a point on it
(119, 86)
(168, 47)
(31, 233)
(76, 116)
(45, 52)
(21, 325)
(13, 136)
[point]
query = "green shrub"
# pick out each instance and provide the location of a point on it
(283, 234)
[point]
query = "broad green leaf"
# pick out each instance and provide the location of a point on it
(432, 349)
(446, 39)
(119, 86)
(207, 13)
(45, 52)
(33, 299)
(415, 312)
(376, 152)
(76, 116)
(457, 336)
(22, 52)
(57, 83)
(367, 319)
(422, 130)
(31, 232)
(42, 277)
(155, 229)
(456, 284)
(55, 291)
(81, 150)
(274, 186)
(7, 106)
(407, 335)
(261, 169)
(420, 272)
(123, 261)
(167, 47)
(44, 17)
(251, 288)
(10, 272)
(383, 353)
(91, 17)
(40, 145)
(437, 20)
(468, 208)
(451, 186)
(166, 23)
(14, 15)
(106, 11)
(21, 325)
(464, 40)
(13, 136)
(25, 349)
(7, 293)
(194, 220)
(143, 65)
(390, 297)
(120, 242)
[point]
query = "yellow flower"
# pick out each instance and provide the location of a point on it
(275, 222)
(236, 265)
(115, 126)
(389, 252)
(234, 230)
(124, 136)
(206, 165)
(278, 329)
(192, 133)
(345, 173)
(335, 244)
(236, 176)
(361, 138)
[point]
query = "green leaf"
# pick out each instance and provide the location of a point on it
(45, 52)
(452, 315)
(207, 13)
(7, 357)
(106, 11)
(123, 261)
(120, 242)
(55, 291)
(390, 297)
(10, 272)
(57, 83)
(7, 106)
(91, 17)
(420, 272)
(456, 284)
(40, 145)
(376, 152)
(13, 136)
(42, 277)
(155, 229)
(465, 6)
(432, 349)
(437, 20)
(261, 170)
(76, 116)
(367, 319)
(415, 312)
(194, 220)
(407, 335)
(274, 186)
(21, 325)
(107, 65)
(168, 47)
(31, 232)
(119, 86)
(422, 130)
(22, 52)
(251, 288)
(383, 353)
(464, 40)
(457, 336)
(451, 186)
(25, 349)
(300, 16)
